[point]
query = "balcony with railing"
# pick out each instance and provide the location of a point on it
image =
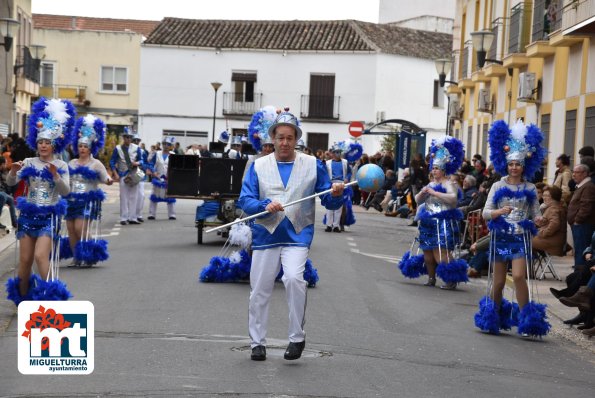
(26, 71)
(241, 103)
(323, 107)
(76, 94)
(578, 17)
(519, 28)
(547, 18)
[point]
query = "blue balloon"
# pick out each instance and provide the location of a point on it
(370, 178)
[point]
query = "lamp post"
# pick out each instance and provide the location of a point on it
(7, 28)
(443, 66)
(482, 41)
(216, 86)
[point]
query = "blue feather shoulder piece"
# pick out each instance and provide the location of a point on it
(450, 214)
(86, 172)
(506, 192)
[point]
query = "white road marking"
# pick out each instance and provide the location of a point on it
(352, 244)
(387, 258)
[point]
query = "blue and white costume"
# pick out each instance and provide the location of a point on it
(42, 209)
(158, 162)
(140, 197)
(439, 220)
(129, 191)
(283, 237)
(511, 233)
(338, 171)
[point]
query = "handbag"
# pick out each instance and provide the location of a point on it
(135, 174)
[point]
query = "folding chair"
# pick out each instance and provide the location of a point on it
(542, 263)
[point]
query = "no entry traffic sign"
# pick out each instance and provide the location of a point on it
(356, 129)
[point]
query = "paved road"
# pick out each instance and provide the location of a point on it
(370, 332)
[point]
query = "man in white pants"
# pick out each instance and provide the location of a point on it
(283, 237)
(140, 196)
(158, 163)
(125, 160)
(338, 171)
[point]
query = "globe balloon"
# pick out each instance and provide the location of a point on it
(370, 178)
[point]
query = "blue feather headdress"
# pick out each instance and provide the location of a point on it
(258, 129)
(89, 130)
(521, 143)
(446, 153)
(51, 119)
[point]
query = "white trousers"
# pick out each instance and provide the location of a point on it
(171, 212)
(333, 217)
(265, 267)
(128, 201)
(140, 200)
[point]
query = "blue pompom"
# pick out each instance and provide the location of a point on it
(487, 318)
(14, 294)
(65, 249)
(311, 274)
(508, 314)
(91, 251)
(55, 290)
(412, 266)
(533, 320)
(454, 271)
(354, 152)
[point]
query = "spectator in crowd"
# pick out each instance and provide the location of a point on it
(563, 176)
(479, 172)
(193, 150)
(479, 260)
(7, 152)
(551, 235)
(539, 188)
(586, 152)
(479, 200)
(584, 298)
(5, 197)
(320, 155)
(378, 198)
(387, 161)
(469, 190)
(581, 216)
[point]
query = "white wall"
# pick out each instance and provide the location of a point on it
(175, 90)
(398, 10)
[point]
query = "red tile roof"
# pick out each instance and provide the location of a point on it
(343, 35)
(66, 22)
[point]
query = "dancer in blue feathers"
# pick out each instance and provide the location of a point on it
(438, 221)
(41, 210)
(285, 235)
(84, 201)
(512, 210)
(158, 163)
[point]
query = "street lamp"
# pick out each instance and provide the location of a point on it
(482, 41)
(7, 28)
(443, 66)
(216, 86)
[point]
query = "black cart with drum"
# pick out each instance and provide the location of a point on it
(216, 182)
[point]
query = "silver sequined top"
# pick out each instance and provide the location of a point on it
(40, 191)
(522, 210)
(80, 184)
(434, 204)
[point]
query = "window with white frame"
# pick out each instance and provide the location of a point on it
(48, 70)
(114, 79)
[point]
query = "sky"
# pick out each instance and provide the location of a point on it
(363, 10)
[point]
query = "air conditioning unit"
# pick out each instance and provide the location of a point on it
(484, 101)
(455, 110)
(527, 87)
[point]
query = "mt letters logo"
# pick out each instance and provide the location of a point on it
(56, 337)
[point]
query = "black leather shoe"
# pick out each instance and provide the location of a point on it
(133, 222)
(328, 229)
(124, 222)
(580, 318)
(259, 353)
(140, 219)
(151, 217)
(557, 293)
(173, 218)
(336, 229)
(294, 350)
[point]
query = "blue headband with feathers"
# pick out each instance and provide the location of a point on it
(89, 129)
(53, 120)
(524, 146)
(447, 153)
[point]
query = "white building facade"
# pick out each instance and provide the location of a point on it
(325, 85)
